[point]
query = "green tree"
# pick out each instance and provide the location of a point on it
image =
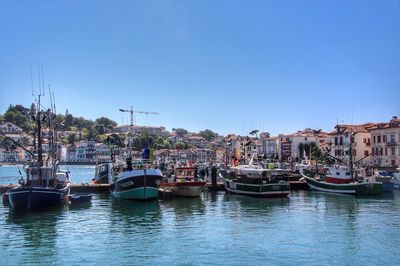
(254, 132)
(72, 138)
(68, 120)
(181, 132)
(92, 133)
(106, 122)
(208, 134)
(18, 115)
(161, 143)
(181, 145)
(115, 139)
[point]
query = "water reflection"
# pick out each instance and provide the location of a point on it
(142, 213)
(184, 208)
(35, 231)
(78, 206)
(235, 204)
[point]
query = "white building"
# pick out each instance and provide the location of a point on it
(197, 141)
(290, 144)
(385, 144)
(7, 127)
(103, 152)
(269, 147)
(158, 131)
(339, 142)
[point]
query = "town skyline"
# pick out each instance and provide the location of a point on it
(126, 122)
(226, 66)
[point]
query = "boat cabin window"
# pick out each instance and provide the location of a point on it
(337, 173)
(347, 173)
(185, 172)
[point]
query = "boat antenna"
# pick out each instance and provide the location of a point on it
(351, 153)
(32, 82)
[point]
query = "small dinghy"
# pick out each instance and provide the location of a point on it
(80, 198)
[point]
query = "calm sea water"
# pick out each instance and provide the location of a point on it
(309, 228)
(78, 173)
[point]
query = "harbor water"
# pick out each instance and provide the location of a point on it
(308, 228)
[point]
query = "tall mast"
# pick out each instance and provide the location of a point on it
(351, 154)
(39, 128)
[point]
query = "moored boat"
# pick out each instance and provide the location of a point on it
(344, 178)
(185, 182)
(79, 198)
(139, 183)
(350, 187)
(45, 186)
(103, 173)
(254, 180)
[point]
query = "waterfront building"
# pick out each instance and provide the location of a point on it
(8, 127)
(385, 144)
(102, 152)
(197, 141)
(290, 144)
(153, 130)
(67, 133)
(339, 140)
(17, 155)
(25, 140)
(269, 147)
(192, 155)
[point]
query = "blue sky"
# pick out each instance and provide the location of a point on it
(229, 66)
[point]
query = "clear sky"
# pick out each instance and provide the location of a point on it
(229, 66)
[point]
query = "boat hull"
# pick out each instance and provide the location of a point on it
(186, 189)
(36, 197)
(137, 185)
(140, 193)
(365, 188)
(271, 190)
(80, 198)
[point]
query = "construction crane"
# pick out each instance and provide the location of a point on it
(131, 111)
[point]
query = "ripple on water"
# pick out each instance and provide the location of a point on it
(307, 228)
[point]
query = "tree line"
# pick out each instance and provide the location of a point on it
(100, 130)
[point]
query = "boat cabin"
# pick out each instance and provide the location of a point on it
(183, 174)
(45, 176)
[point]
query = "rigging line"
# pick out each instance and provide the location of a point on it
(32, 82)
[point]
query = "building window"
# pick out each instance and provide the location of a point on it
(379, 139)
(392, 138)
(336, 141)
(364, 140)
(366, 153)
(384, 138)
(385, 151)
(373, 152)
(374, 139)
(341, 141)
(393, 150)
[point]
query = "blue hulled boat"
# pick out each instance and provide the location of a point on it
(45, 185)
(136, 181)
(80, 198)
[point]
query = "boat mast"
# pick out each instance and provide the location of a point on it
(351, 155)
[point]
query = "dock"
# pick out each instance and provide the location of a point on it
(104, 188)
